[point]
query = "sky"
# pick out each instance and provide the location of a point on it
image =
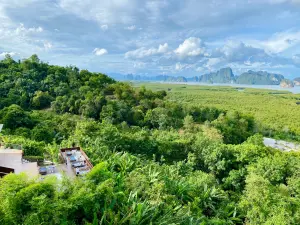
(151, 37)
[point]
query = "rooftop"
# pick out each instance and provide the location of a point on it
(13, 159)
(75, 161)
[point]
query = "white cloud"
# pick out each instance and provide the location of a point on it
(163, 48)
(143, 52)
(190, 47)
(183, 66)
(133, 27)
(104, 27)
(282, 41)
(100, 51)
(213, 62)
(104, 11)
(2, 55)
(139, 65)
(179, 66)
(47, 45)
(22, 30)
(200, 69)
(235, 51)
(125, 12)
(163, 21)
(296, 59)
(18, 37)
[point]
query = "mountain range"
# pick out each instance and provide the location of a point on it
(224, 75)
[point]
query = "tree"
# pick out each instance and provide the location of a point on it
(14, 116)
(41, 100)
(235, 128)
(43, 132)
(188, 123)
(263, 203)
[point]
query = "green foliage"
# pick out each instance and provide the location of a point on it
(34, 158)
(29, 147)
(43, 132)
(41, 100)
(275, 112)
(156, 161)
(14, 116)
(267, 204)
(234, 127)
(99, 173)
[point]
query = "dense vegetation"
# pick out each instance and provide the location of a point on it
(275, 112)
(157, 161)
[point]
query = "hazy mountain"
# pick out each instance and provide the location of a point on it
(176, 79)
(259, 78)
(192, 79)
(131, 77)
(224, 75)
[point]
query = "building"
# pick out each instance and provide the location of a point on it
(75, 160)
(11, 161)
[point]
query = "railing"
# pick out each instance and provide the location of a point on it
(87, 159)
(89, 164)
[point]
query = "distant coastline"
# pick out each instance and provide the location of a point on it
(220, 77)
(294, 90)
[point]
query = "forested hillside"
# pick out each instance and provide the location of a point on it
(276, 113)
(157, 161)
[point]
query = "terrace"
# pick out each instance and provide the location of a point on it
(76, 160)
(73, 162)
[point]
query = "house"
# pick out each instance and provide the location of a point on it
(11, 161)
(74, 162)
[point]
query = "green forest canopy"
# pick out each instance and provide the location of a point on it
(156, 161)
(276, 112)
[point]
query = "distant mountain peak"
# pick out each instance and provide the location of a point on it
(224, 75)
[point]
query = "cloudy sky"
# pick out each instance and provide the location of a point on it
(173, 37)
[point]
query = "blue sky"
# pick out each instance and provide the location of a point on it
(152, 37)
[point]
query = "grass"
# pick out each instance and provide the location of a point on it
(276, 110)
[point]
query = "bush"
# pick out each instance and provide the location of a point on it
(34, 158)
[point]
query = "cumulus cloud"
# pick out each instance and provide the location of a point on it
(179, 66)
(100, 51)
(139, 65)
(201, 27)
(133, 27)
(281, 41)
(239, 52)
(190, 47)
(183, 66)
(144, 52)
(21, 29)
(48, 45)
(104, 27)
(3, 54)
